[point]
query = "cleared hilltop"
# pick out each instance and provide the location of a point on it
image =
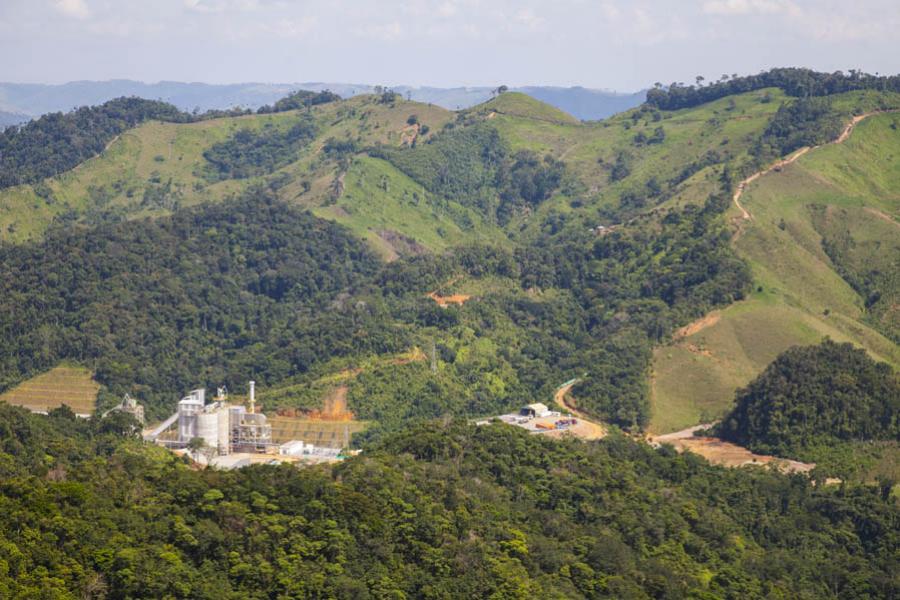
(27, 101)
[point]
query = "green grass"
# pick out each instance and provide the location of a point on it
(523, 105)
(803, 297)
(590, 149)
(162, 152)
(379, 199)
(117, 178)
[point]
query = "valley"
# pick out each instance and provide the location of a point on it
(408, 286)
(360, 170)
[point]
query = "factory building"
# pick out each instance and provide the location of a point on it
(224, 427)
(130, 406)
(536, 410)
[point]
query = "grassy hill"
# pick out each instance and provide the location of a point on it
(842, 194)
(398, 215)
(820, 244)
(523, 105)
(157, 167)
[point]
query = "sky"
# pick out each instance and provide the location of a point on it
(621, 45)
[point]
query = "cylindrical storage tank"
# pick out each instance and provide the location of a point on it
(187, 426)
(208, 428)
(224, 421)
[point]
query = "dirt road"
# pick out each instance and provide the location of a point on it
(559, 397)
(845, 134)
(745, 214)
(720, 452)
(585, 429)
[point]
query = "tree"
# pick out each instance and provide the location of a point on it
(195, 445)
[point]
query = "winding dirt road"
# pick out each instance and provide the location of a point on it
(585, 429)
(845, 134)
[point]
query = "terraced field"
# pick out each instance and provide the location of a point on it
(329, 434)
(72, 386)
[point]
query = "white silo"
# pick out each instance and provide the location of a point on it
(224, 423)
(188, 409)
(208, 428)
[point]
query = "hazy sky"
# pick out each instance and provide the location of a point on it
(614, 44)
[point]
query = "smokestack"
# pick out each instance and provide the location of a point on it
(252, 396)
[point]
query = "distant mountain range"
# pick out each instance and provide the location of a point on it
(20, 102)
(12, 118)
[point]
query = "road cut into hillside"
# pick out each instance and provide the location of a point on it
(780, 164)
(586, 428)
(720, 452)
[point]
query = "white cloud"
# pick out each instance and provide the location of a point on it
(294, 28)
(609, 43)
(219, 6)
(73, 8)
(446, 9)
(751, 7)
(610, 10)
(529, 19)
(386, 32)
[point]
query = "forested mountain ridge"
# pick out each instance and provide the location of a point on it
(796, 82)
(605, 237)
(311, 243)
(443, 510)
(33, 100)
(136, 302)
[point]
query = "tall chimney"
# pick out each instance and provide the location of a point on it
(252, 396)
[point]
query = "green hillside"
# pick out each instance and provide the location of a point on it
(523, 105)
(158, 166)
(398, 215)
(425, 270)
(824, 248)
(416, 181)
(442, 510)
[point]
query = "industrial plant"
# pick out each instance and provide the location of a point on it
(229, 435)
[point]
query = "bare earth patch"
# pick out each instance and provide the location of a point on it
(698, 325)
(445, 301)
(720, 452)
